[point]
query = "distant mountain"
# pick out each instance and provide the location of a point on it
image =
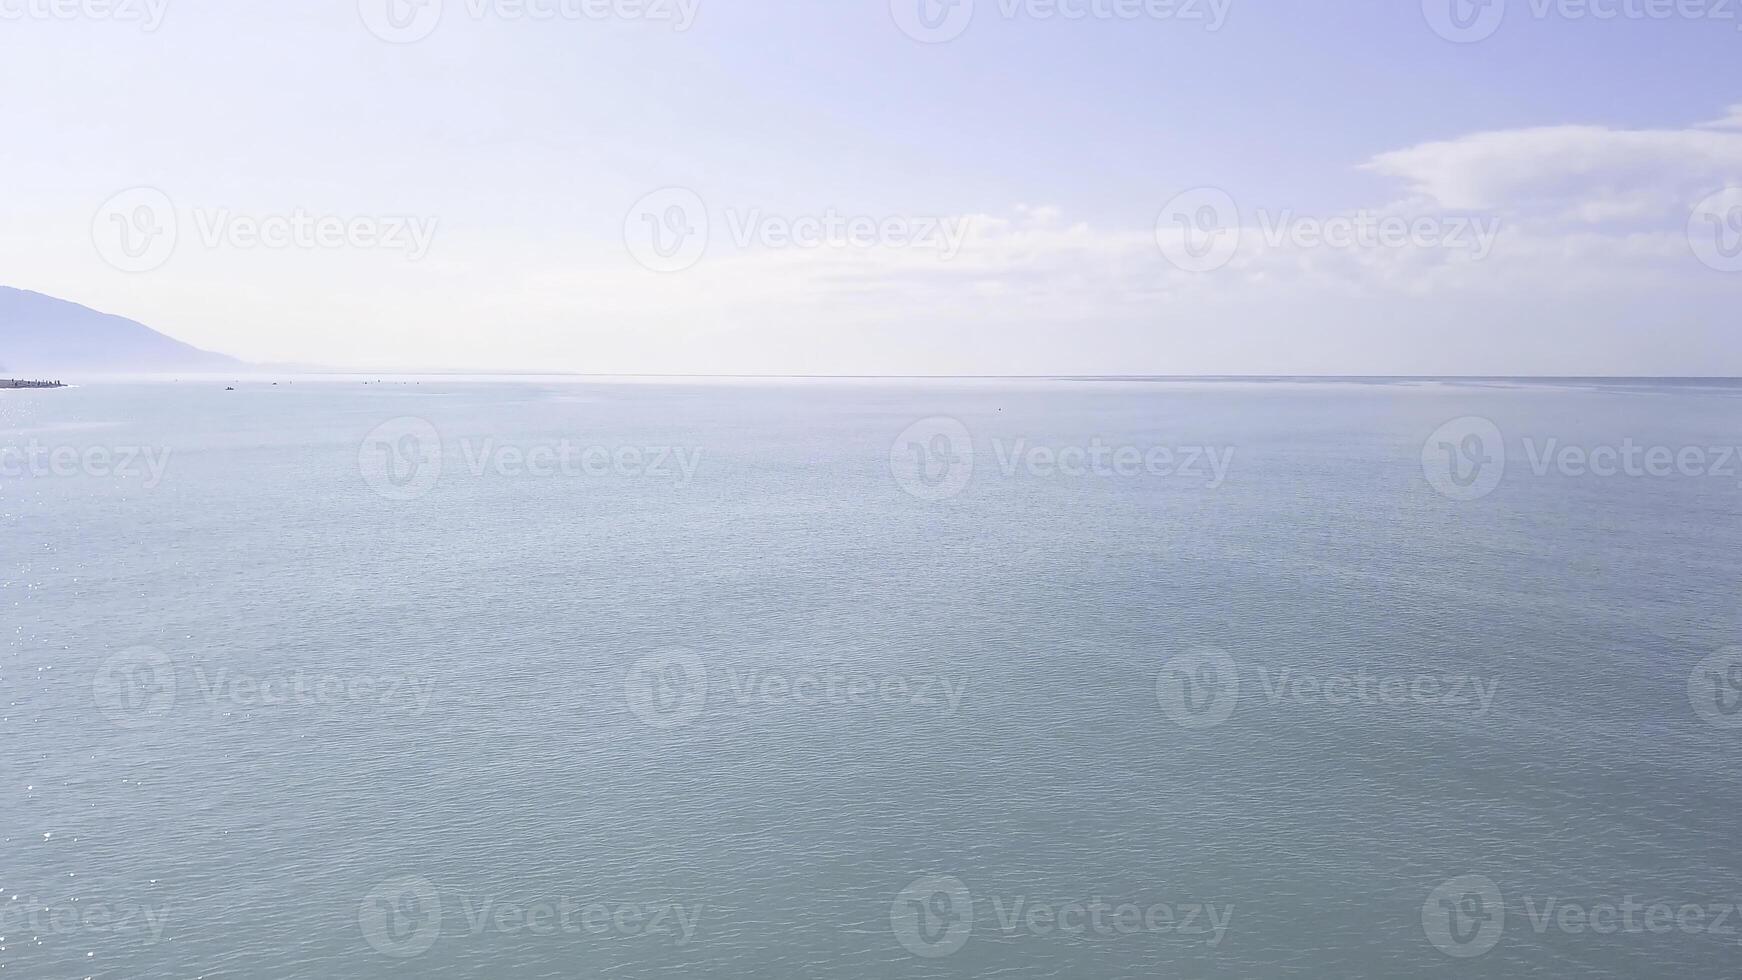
(44, 336)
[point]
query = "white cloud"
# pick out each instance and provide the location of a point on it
(1591, 172)
(1731, 121)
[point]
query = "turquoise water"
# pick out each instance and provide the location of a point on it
(755, 679)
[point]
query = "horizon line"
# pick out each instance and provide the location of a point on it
(379, 372)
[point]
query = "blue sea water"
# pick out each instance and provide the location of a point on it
(438, 677)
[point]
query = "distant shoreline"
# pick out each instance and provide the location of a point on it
(7, 383)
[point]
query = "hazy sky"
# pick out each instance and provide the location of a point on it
(868, 186)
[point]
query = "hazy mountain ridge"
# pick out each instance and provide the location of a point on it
(42, 335)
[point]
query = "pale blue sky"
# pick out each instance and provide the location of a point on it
(529, 143)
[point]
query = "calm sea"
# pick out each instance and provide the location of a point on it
(539, 678)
